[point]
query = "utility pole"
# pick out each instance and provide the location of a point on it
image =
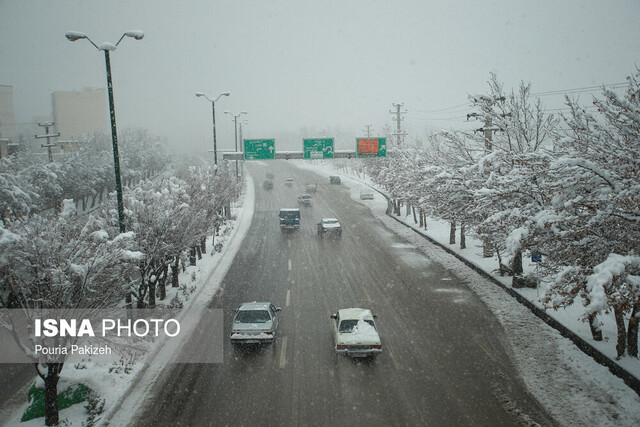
(368, 130)
(399, 133)
(47, 135)
(487, 130)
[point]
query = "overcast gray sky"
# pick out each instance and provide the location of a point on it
(330, 66)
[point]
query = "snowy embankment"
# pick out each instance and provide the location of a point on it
(125, 386)
(573, 387)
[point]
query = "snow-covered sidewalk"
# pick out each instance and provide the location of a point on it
(573, 387)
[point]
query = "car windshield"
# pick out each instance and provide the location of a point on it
(252, 316)
(347, 326)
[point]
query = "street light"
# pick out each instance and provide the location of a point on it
(235, 125)
(107, 47)
(213, 110)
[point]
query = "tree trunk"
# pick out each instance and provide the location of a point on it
(596, 332)
(452, 233)
(516, 264)
(487, 250)
(51, 415)
(621, 344)
(203, 244)
(463, 237)
(408, 210)
(162, 282)
(198, 251)
(415, 218)
(632, 332)
(500, 266)
(192, 255)
(421, 218)
(152, 292)
(175, 271)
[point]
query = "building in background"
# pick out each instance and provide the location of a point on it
(7, 116)
(8, 142)
(79, 114)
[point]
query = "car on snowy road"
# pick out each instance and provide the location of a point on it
(330, 227)
(355, 333)
(289, 218)
(366, 195)
(255, 323)
(304, 199)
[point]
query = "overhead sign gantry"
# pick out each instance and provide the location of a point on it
(312, 148)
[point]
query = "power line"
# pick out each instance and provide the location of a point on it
(466, 104)
(579, 89)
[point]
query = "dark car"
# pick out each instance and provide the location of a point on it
(333, 179)
(289, 218)
(267, 184)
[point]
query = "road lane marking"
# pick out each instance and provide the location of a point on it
(366, 294)
(289, 265)
(392, 356)
(288, 297)
(283, 353)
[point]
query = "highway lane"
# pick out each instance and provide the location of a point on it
(444, 362)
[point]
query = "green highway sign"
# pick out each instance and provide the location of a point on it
(371, 147)
(259, 149)
(317, 148)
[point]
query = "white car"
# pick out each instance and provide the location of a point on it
(255, 323)
(329, 226)
(355, 333)
(366, 195)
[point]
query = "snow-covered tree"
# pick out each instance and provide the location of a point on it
(595, 210)
(60, 262)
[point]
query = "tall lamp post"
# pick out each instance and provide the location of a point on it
(235, 125)
(107, 47)
(213, 111)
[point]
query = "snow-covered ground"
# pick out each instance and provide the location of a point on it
(121, 390)
(573, 387)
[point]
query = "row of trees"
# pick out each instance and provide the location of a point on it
(565, 187)
(57, 259)
(29, 184)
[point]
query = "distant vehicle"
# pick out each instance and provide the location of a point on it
(255, 323)
(312, 187)
(304, 199)
(269, 175)
(267, 184)
(330, 227)
(366, 195)
(333, 179)
(289, 218)
(289, 182)
(355, 333)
